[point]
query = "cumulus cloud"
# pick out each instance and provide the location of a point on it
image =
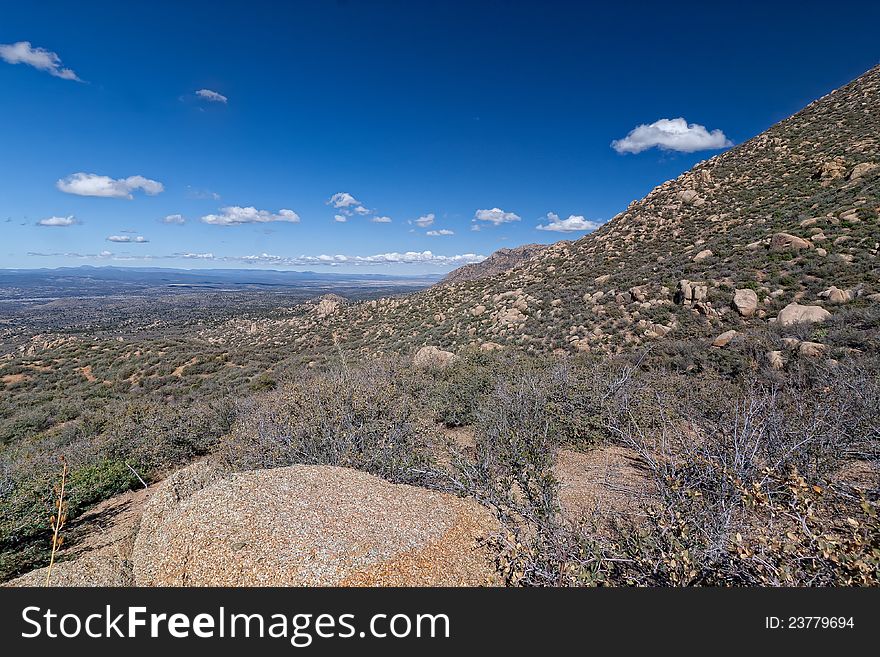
(496, 216)
(343, 200)
(574, 224)
(211, 96)
(128, 239)
(235, 215)
(174, 219)
(671, 135)
(59, 222)
(438, 233)
(23, 52)
(341, 218)
(348, 206)
(381, 220)
(425, 220)
(194, 256)
(91, 184)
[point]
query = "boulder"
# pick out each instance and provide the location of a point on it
(430, 357)
(860, 170)
(92, 569)
(683, 293)
(835, 295)
(490, 346)
(639, 293)
(795, 313)
(745, 301)
(786, 242)
(725, 338)
(811, 349)
(832, 170)
(687, 196)
(702, 255)
(309, 525)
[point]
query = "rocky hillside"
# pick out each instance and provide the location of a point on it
(500, 262)
(790, 216)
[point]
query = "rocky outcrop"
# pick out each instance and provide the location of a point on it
(688, 293)
(432, 357)
(795, 313)
(499, 262)
(328, 305)
(310, 526)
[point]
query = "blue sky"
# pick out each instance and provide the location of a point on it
(479, 114)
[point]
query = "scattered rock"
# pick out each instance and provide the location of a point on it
(832, 170)
(745, 301)
(786, 242)
(725, 338)
(476, 311)
(430, 357)
(795, 313)
(309, 525)
(490, 346)
(835, 295)
(860, 170)
(811, 349)
(687, 196)
(702, 255)
(639, 293)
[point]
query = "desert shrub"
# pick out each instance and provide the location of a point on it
(362, 417)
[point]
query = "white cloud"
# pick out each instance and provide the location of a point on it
(408, 257)
(343, 200)
(40, 58)
(347, 205)
(57, 221)
(90, 184)
(425, 220)
(341, 218)
(381, 220)
(393, 258)
(235, 215)
(128, 239)
(174, 219)
(212, 96)
(574, 224)
(672, 135)
(496, 216)
(438, 233)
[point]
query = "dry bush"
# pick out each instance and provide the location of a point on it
(361, 417)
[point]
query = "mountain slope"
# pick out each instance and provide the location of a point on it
(503, 260)
(813, 177)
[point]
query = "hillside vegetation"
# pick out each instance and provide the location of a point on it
(689, 395)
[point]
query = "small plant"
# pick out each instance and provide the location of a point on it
(58, 518)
